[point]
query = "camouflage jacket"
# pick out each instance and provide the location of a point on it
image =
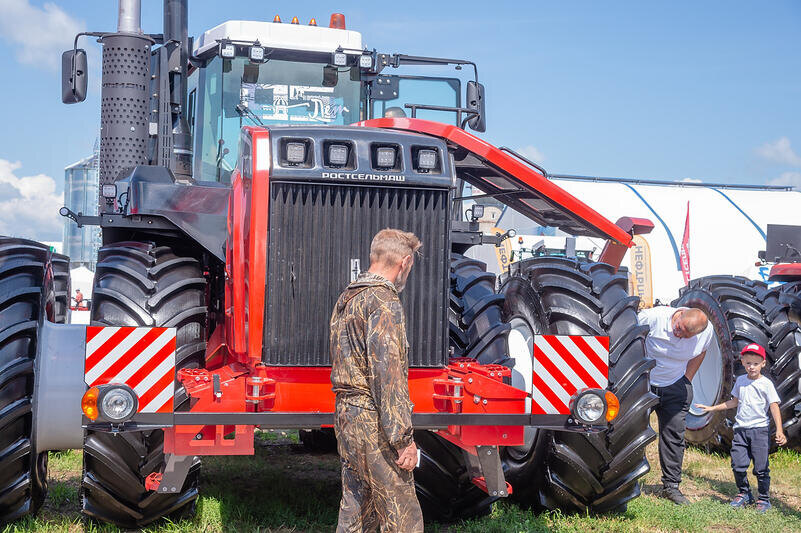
(369, 351)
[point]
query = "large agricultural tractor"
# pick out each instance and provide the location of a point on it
(241, 181)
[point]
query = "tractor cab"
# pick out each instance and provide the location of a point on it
(249, 73)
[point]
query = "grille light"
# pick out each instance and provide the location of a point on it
(295, 152)
(427, 159)
(385, 157)
(338, 154)
(227, 50)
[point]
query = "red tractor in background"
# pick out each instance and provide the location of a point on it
(236, 202)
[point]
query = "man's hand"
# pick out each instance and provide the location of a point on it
(781, 439)
(407, 457)
(704, 408)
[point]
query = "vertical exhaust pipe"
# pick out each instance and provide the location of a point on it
(129, 16)
(124, 99)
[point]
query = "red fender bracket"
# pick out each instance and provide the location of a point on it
(614, 251)
(472, 388)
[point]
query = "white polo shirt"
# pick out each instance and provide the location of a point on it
(670, 352)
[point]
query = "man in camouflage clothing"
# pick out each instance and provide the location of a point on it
(373, 419)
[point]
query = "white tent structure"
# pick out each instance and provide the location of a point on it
(727, 223)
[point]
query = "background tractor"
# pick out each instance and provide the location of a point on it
(242, 177)
(744, 311)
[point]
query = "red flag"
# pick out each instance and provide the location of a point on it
(684, 253)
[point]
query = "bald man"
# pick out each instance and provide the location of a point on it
(677, 342)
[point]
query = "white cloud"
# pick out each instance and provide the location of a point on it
(29, 205)
(791, 178)
(780, 151)
(691, 180)
(533, 153)
(39, 34)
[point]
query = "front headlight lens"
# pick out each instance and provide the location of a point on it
(117, 404)
(590, 408)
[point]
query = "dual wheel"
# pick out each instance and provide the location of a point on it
(743, 311)
(551, 470)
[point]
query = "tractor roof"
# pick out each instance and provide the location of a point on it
(280, 35)
(511, 181)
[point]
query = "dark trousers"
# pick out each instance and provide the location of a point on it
(671, 413)
(751, 444)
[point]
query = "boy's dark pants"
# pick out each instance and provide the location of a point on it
(751, 444)
(674, 403)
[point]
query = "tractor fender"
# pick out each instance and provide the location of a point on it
(59, 387)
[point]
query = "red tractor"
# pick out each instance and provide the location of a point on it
(241, 183)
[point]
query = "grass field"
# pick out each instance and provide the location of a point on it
(283, 488)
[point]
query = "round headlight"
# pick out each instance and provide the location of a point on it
(590, 408)
(117, 404)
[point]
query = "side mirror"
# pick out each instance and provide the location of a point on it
(73, 76)
(475, 101)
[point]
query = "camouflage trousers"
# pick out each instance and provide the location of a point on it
(376, 492)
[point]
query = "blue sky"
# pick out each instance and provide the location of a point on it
(670, 90)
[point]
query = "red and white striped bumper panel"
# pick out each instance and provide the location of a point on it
(564, 364)
(142, 358)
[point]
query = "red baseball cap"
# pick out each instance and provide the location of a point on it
(755, 349)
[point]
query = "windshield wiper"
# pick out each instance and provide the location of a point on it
(244, 111)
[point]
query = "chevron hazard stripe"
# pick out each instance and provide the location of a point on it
(564, 364)
(142, 358)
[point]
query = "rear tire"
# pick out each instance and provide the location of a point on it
(141, 284)
(783, 308)
(734, 306)
(62, 286)
(477, 330)
(572, 471)
(26, 301)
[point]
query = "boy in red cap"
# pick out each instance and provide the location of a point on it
(753, 395)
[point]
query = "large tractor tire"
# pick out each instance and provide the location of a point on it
(477, 330)
(734, 306)
(783, 309)
(62, 286)
(141, 284)
(573, 471)
(27, 299)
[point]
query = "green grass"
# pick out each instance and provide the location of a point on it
(283, 488)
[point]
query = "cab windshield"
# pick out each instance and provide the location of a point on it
(232, 93)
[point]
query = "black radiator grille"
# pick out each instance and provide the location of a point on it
(315, 232)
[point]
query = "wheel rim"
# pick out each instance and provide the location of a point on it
(707, 384)
(520, 343)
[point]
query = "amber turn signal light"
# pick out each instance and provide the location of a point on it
(612, 406)
(89, 403)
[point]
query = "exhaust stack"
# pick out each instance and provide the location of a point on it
(124, 99)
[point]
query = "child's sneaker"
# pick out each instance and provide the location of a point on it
(762, 506)
(741, 500)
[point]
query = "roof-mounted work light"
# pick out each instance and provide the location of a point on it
(256, 53)
(339, 59)
(227, 50)
(366, 61)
